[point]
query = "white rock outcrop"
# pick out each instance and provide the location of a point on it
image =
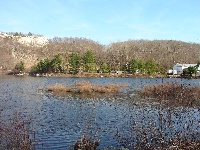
(34, 41)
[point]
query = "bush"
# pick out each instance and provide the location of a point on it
(16, 135)
(173, 94)
(86, 144)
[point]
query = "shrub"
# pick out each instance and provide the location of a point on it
(160, 127)
(16, 135)
(86, 144)
(172, 94)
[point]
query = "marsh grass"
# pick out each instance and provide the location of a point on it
(16, 134)
(161, 134)
(57, 87)
(86, 88)
(172, 94)
(169, 124)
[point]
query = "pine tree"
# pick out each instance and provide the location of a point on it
(74, 62)
(89, 61)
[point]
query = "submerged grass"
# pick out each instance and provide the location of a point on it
(172, 94)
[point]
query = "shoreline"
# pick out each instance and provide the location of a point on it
(94, 75)
(86, 75)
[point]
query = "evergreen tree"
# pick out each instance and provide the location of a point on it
(89, 57)
(105, 68)
(89, 61)
(150, 67)
(20, 66)
(56, 63)
(74, 62)
(141, 66)
(30, 34)
(133, 66)
(44, 66)
(191, 70)
(16, 34)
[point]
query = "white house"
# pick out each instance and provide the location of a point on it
(178, 68)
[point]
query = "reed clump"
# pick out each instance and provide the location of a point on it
(86, 87)
(57, 87)
(16, 134)
(86, 144)
(172, 94)
(163, 129)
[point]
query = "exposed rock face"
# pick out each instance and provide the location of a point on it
(34, 41)
(28, 49)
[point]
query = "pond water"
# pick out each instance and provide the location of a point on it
(59, 122)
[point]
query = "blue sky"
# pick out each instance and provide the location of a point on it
(104, 21)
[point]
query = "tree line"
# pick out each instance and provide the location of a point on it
(88, 63)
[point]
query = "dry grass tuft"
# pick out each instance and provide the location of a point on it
(85, 87)
(57, 87)
(172, 93)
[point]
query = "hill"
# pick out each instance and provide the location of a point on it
(32, 48)
(164, 52)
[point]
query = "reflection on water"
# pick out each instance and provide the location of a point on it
(59, 121)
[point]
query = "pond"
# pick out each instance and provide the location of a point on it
(59, 121)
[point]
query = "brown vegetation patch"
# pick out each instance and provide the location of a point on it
(86, 144)
(57, 87)
(16, 135)
(172, 94)
(87, 88)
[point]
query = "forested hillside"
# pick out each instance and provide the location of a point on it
(163, 52)
(117, 55)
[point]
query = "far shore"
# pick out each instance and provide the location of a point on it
(95, 75)
(85, 75)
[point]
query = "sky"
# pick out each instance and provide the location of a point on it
(104, 21)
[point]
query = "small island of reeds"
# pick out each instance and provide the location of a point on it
(87, 89)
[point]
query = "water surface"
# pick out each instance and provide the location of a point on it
(60, 121)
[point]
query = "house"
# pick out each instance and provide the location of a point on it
(178, 68)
